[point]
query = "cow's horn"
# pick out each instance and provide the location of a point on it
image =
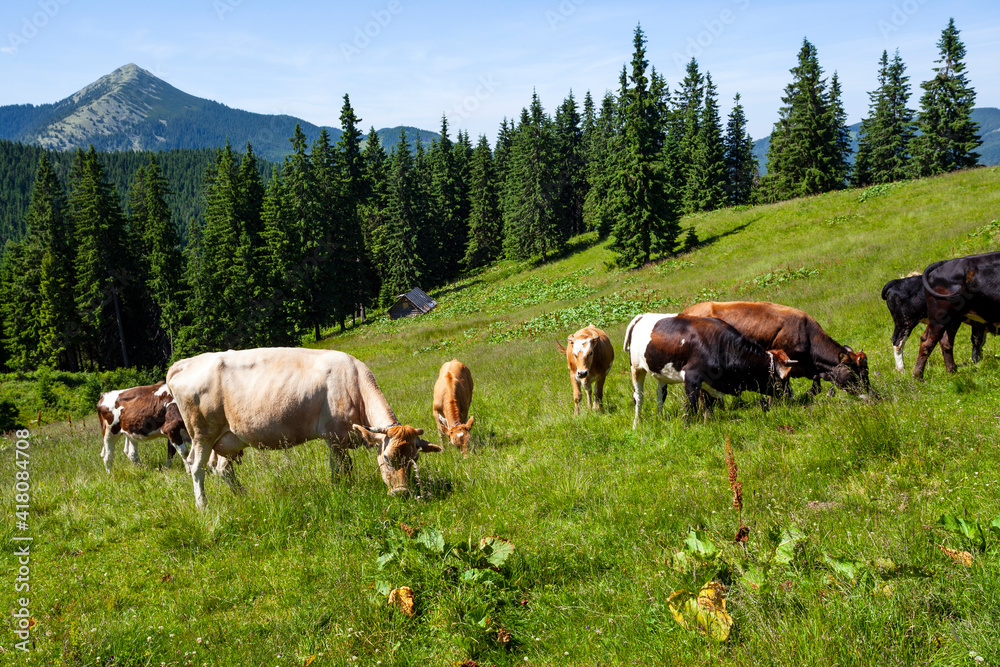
(376, 429)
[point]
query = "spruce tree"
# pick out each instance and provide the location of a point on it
(449, 230)
(279, 313)
(531, 222)
(689, 110)
(804, 155)
(374, 214)
(646, 220)
(838, 138)
(741, 164)
(354, 193)
(104, 262)
(485, 224)
(569, 156)
(707, 178)
(405, 231)
(601, 146)
(948, 135)
(885, 135)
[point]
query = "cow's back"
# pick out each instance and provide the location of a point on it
(769, 325)
(269, 397)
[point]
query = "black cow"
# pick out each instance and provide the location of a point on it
(704, 353)
(966, 288)
(907, 303)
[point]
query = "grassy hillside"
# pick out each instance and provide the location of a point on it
(845, 560)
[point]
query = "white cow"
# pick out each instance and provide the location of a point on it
(274, 398)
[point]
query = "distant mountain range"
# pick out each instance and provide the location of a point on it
(133, 110)
(989, 131)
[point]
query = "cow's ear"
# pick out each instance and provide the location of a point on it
(370, 438)
(468, 424)
(425, 446)
(845, 357)
(444, 422)
(784, 371)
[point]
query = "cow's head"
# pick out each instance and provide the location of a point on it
(399, 447)
(851, 373)
(781, 368)
(580, 349)
(459, 433)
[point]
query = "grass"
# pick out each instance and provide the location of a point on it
(843, 499)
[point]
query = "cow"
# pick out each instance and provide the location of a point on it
(589, 355)
(141, 414)
(703, 353)
(452, 398)
(773, 326)
(957, 290)
(907, 303)
(275, 398)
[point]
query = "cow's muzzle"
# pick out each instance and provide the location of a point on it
(581, 374)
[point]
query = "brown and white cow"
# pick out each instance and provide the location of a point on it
(275, 398)
(773, 326)
(703, 353)
(589, 355)
(958, 290)
(452, 398)
(141, 414)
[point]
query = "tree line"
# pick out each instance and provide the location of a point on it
(281, 252)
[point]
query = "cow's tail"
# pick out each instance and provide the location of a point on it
(927, 286)
(628, 333)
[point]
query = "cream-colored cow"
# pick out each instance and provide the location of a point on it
(274, 398)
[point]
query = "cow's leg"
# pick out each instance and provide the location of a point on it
(932, 334)
(225, 467)
(816, 388)
(108, 450)
(576, 393)
(340, 461)
(948, 345)
(599, 392)
(692, 388)
(589, 388)
(131, 451)
(661, 396)
(201, 451)
(638, 378)
(978, 339)
(899, 336)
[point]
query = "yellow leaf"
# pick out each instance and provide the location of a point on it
(402, 598)
(705, 613)
(309, 661)
(963, 558)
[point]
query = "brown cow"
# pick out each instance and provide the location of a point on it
(777, 327)
(452, 398)
(140, 414)
(589, 356)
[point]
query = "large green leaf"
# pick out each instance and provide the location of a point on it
(842, 566)
(791, 538)
(496, 549)
(431, 539)
(700, 546)
(968, 529)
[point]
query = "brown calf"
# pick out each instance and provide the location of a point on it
(589, 356)
(452, 398)
(140, 414)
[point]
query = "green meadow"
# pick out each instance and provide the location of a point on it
(872, 527)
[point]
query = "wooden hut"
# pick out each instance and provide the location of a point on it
(414, 302)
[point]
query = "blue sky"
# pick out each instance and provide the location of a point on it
(409, 62)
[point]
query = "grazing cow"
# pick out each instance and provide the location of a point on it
(704, 353)
(907, 303)
(452, 398)
(589, 355)
(957, 290)
(140, 414)
(274, 398)
(777, 327)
